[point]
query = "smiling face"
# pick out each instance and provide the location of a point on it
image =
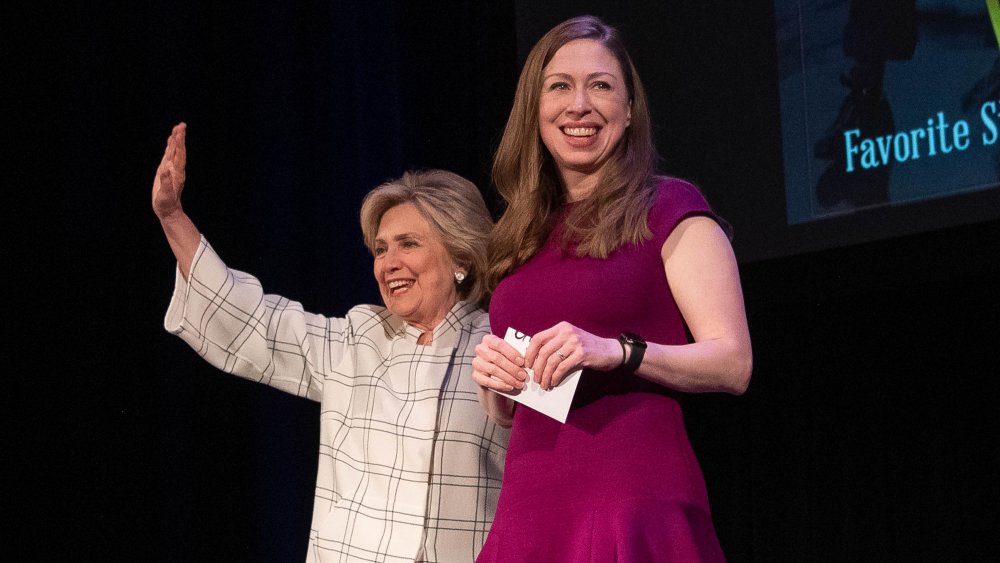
(583, 111)
(415, 274)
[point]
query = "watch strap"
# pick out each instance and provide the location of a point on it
(636, 350)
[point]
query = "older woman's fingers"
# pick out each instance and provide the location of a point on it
(180, 155)
(164, 198)
(171, 173)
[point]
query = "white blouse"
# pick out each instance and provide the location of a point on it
(409, 465)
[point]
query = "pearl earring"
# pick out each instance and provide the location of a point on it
(459, 277)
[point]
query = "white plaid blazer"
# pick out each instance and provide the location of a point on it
(409, 465)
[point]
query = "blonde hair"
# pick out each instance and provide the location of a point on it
(453, 206)
(524, 173)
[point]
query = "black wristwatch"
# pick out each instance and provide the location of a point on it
(638, 347)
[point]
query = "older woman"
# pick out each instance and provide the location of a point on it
(409, 466)
(619, 272)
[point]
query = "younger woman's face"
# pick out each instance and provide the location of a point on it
(583, 109)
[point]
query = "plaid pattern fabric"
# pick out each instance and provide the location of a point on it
(409, 465)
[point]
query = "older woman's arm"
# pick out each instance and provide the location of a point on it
(224, 314)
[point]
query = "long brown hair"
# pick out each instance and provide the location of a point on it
(525, 174)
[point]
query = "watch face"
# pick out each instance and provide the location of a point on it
(632, 339)
(637, 347)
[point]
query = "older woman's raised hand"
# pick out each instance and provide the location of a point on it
(171, 174)
(168, 184)
(498, 365)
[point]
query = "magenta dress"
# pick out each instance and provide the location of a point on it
(619, 480)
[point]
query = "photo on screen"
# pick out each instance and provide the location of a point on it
(886, 103)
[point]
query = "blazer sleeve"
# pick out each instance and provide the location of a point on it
(226, 317)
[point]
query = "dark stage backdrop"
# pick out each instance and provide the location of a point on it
(869, 430)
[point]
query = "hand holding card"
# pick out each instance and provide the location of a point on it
(553, 403)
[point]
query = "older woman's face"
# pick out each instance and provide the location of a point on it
(583, 108)
(415, 274)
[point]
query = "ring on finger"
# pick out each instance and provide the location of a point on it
(560, 354)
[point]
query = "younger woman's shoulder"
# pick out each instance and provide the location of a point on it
(679, 193)
(676, 200)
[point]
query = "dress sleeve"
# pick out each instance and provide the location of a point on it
(677, 200)
(225, 316)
